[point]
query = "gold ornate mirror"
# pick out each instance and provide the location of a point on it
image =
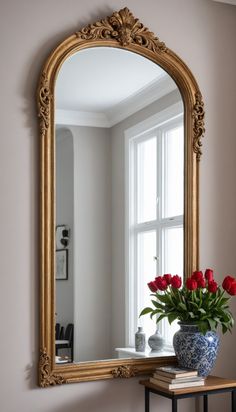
(121, 119)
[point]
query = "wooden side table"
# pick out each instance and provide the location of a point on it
(213, 384)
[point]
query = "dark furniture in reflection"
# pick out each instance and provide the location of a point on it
(65, 340)
(57, 330)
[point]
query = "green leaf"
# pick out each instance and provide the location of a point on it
(203, 327)
(194, 304)
(163, 298)
(202, 311)
(145, 311)
(182, 306)
(155, 312)
(172, 317)
(224, 328)
(223, 301)
(212, 324)
(157, 305)
(161, 317)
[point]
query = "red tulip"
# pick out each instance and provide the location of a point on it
(197, 275)
(167, 278)
(232, 289)
(212, 286)
(152, 286)
(176, 282)
(201, 283)
(161, 283)
(209, 275)
(191, 284)
(227, 282)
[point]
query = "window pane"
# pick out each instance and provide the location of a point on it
(147, 180)
(173, 250)
(172, 263)
(173, 176)
(146, 273)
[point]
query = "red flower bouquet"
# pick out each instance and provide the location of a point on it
(200, 300)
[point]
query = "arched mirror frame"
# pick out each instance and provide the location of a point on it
(123, 31)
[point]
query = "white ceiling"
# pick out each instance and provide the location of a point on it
(97, 79)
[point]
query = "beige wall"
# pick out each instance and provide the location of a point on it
(92, 245)
(65, 216)
(203, 33)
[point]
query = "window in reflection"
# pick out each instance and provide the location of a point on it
(156, 191)
(172, 176)
(147, 179)
(147, 246)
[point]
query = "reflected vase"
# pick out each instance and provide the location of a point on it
(156, 341)
(195, 350)
(140, 340)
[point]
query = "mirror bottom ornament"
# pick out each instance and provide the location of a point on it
(46, 378)
(124, 372)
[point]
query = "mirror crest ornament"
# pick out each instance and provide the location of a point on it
(121, 30)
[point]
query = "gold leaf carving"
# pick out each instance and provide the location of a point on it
(124, 372)
(45, 377)
(45, 98)
(198, 126)
(125, 28)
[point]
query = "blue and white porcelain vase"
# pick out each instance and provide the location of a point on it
(140, 340)
(195, 350)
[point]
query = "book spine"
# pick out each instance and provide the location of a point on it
(186, 385)
(176, 375)
(177, 380)
(176, 385)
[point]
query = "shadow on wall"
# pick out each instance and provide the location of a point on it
(122, 397)
(113, 396)
(31, 375)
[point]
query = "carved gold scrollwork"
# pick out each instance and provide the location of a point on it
(124, 372)
(45, 98)
(198, 126)
(125, 28)
(45, 377)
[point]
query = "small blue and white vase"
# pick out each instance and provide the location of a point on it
(140, 340)
(156, 341)
(195, 350)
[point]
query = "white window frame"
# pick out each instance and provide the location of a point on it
(141, 131)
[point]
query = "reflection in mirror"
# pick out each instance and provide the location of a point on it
(119, 200)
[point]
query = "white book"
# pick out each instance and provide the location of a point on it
(177, 380)
(181, 385)
(175, 372)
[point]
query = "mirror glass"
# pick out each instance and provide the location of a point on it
(119, 200)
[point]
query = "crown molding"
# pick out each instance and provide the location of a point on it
(80, 118)
(138, 101)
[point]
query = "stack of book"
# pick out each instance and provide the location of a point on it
(171, 377)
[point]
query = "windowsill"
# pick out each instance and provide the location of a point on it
(132, 353)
